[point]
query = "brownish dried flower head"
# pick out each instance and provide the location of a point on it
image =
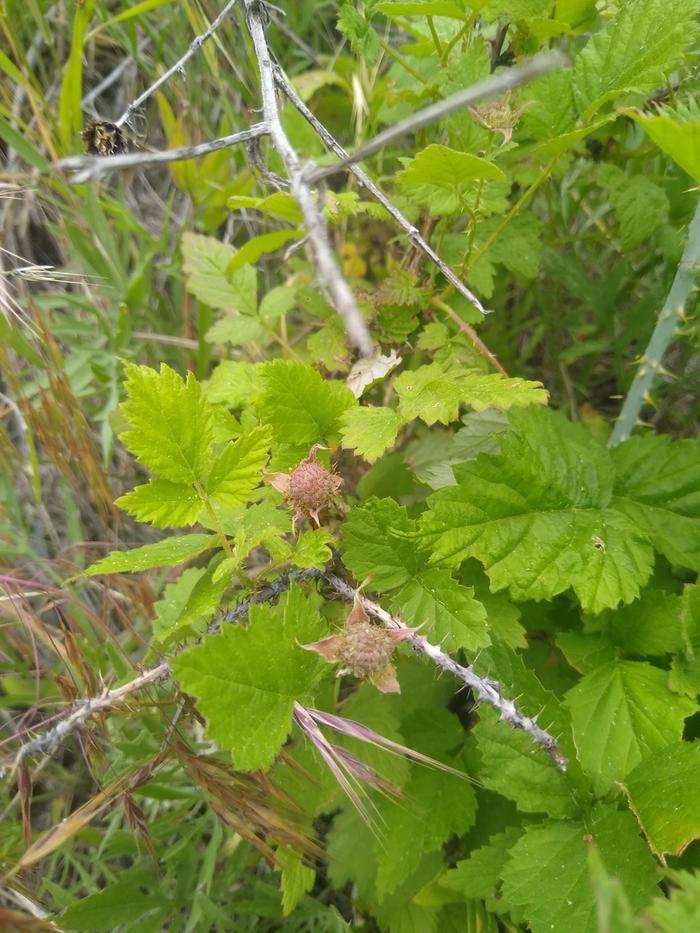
(309, 488)
(103, 138)
(500, 116)
(364, 649)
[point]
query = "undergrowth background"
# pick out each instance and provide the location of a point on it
(491, 512)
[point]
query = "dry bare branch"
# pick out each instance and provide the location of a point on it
(327, 269)
(88, 167)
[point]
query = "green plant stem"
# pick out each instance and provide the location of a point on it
(217, 525)
(436, 38)
(515, 209)
(400, 60)
(666, 324)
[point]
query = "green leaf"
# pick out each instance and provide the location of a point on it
(681, 910)
(449, 611)
(238, 469)
(235, 329)
(441, 805)
(514, 766)
(359, 33)
(167, 553)
(257, 246)
(247, 678)
(679, 139)
(70, 111)
(650, 625)
(376, 546)
(369, 430)
(641, 206)
(422, 8)
(206, 263)
(623, 713)
(297, 880)
(433, 394)
(233, 383)
(538, 516)
(174, 599)
(438, 177)
(300, 405)
(171, 423)
(633, 51)
(279, 204)
(313, 548)
(162, 503)
(551, 111)
(613, 909)
(547, 875)
(657, 485)
(479, 875)
(117, 904)
(664, 794)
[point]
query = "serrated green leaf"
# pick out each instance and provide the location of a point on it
(369, 430)
(171, 423)
(681, 910)
(633, 51)
(300, 405)
(547, 875)
(235, 383)
(650, 625)
(664, 793)
(238, 469)
(441, 805)
(297, 879)
(280, 204)
(203, 599)
(479, 875)
(449, 611)
(162, 503)
(174, 599)
(439, 177)
(167, 553)
(514, 766)
(679, 139)
(206, 262)
(313, 548)
(434, 394)
(358, 31)
(657, 484)
(247, 678)
(375, 545)
(257, 246)
(235, 329)
(538, 516)
(623, 713)
(640, 205)
(550, 111)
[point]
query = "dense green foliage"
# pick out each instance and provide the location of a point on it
(194, 462)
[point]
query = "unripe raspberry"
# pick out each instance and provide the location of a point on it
(309, 488)
(366, 649)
